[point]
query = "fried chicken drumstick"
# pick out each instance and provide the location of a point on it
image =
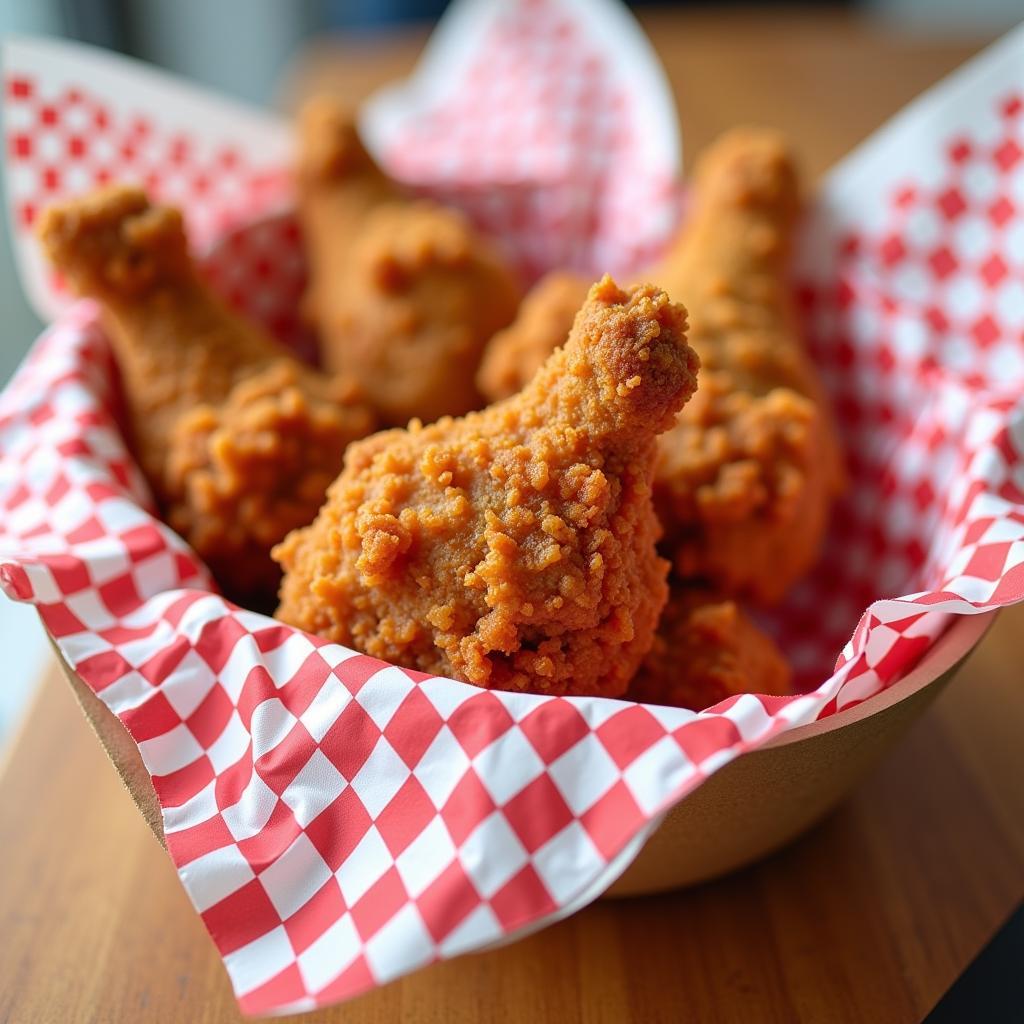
(513, 548)
(404, 293)
(747, 475)
(237, 438)
(745, 478)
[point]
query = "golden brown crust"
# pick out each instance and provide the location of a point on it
(543, 322)
(514, 548)
(707, 649)
(331, 150)
(186, 363)
(741, 489)
(746, 477)
(176, 344)
(404, 293)
(241, 475)
(113, 242)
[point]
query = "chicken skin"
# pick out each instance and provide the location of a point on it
(403, 292)
(543, 322)
(513, 548)
(706, 649)
(745, 478)
(237, 438)
(243, 473)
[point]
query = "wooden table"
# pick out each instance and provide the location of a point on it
(869, 918)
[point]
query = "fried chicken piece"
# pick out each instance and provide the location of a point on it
(513, 548)
(339, 185)
(404, 293)
(543, 323)
(706, 649)
(241, 475)
(746, 477)
(237, 438)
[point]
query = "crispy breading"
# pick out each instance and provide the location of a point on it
(746, 477)
(236, 437)
(706, 649)
(543, 322)
(513, 548)
(404, 292)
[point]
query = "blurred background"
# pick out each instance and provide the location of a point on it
(266, 51)
(250, 49)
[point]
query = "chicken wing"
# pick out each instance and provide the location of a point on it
(404, 293)
(706, 649)
(237, 438)
(514, 548)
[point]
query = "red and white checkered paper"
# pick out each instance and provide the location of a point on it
(338, 822)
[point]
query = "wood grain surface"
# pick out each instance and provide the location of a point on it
(868, 918)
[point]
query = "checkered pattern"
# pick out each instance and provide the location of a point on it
(337, 821)
(910, 279)
(568, 116)
(76, 119)
(65, 141)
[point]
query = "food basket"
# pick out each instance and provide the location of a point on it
(338, 822)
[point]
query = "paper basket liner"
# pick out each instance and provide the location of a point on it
(336, 821)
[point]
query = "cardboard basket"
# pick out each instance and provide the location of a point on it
(322, 869)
